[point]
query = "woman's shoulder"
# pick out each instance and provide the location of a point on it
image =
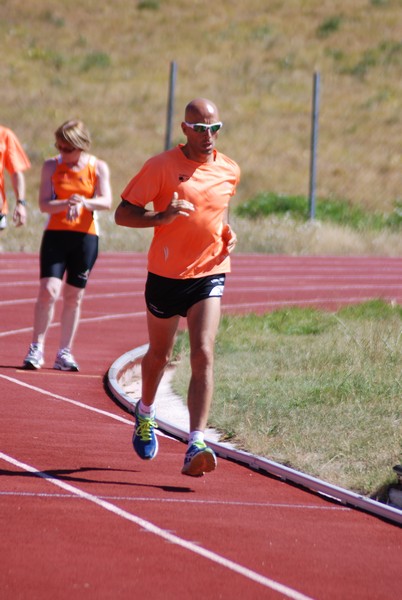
(50, 164)
(101, 166)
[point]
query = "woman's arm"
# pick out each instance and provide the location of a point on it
(47, 204)
(102, 199)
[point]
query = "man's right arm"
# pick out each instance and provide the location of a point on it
(131, 215)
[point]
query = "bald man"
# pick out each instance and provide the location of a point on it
(189, 188)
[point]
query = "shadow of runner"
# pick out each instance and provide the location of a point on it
(67, 475)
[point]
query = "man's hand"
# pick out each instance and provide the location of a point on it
(177, 207)
(229, 238)
(229, 242)
(19, 215)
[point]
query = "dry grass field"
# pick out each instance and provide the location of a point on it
(108, 63)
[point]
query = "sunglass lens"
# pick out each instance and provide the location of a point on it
(204, 128)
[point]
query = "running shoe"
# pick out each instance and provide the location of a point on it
(144, 439)
(199, 459)
(3, 221)
(65, 361)
(34, 358)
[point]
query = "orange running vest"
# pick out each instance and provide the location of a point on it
(66, 182)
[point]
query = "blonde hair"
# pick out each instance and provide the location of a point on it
(74, 133)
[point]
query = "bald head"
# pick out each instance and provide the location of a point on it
(201, 110)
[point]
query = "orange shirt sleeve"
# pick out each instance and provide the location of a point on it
(15, 158)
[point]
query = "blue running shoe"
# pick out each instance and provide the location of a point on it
(144, 439)
(199, 459)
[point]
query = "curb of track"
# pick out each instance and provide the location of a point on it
(127, 361)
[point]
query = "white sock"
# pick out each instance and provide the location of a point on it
(195, 436)
(146, 411)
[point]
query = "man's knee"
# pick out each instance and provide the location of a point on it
(202, 358)
(158, 358)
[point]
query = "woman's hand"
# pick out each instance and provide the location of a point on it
(74, 207)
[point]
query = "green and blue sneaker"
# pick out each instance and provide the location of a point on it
(199, 459)
(144, 439)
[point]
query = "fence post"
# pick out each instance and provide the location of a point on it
(314, 139)
(170, 108)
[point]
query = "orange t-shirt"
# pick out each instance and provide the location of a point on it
(12, 158)
(66, 182)
(189, 246)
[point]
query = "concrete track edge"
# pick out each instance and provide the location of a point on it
(124, 363)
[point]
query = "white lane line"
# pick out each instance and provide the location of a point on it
(234, 288)
(186, 501)
(130, 422)
(82, 320)
(87, 297)
(162, 533)
(65, 399)
(250, 305)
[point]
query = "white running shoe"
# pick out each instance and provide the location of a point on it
(3, 221)
(65, 361)
(34, 359)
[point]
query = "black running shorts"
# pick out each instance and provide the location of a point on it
(167, 297)
(68, 251)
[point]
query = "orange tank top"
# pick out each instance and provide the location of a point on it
(66, 182)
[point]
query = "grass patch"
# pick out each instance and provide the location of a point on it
(329, 26)
(386, 54)
(339, 212)
(149, 5)
(95, 60)
(317, 391)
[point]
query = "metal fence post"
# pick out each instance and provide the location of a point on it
(170, 108)
(313, 149)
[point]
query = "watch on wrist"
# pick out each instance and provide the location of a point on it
(23, 202)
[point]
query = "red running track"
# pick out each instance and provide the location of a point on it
(83, 517)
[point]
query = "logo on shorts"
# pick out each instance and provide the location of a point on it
(217, 290)
(155, 309)
(84, 275)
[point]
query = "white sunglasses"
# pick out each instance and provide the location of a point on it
(203, 127)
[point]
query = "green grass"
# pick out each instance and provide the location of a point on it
(316, 391)
(337, 212)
